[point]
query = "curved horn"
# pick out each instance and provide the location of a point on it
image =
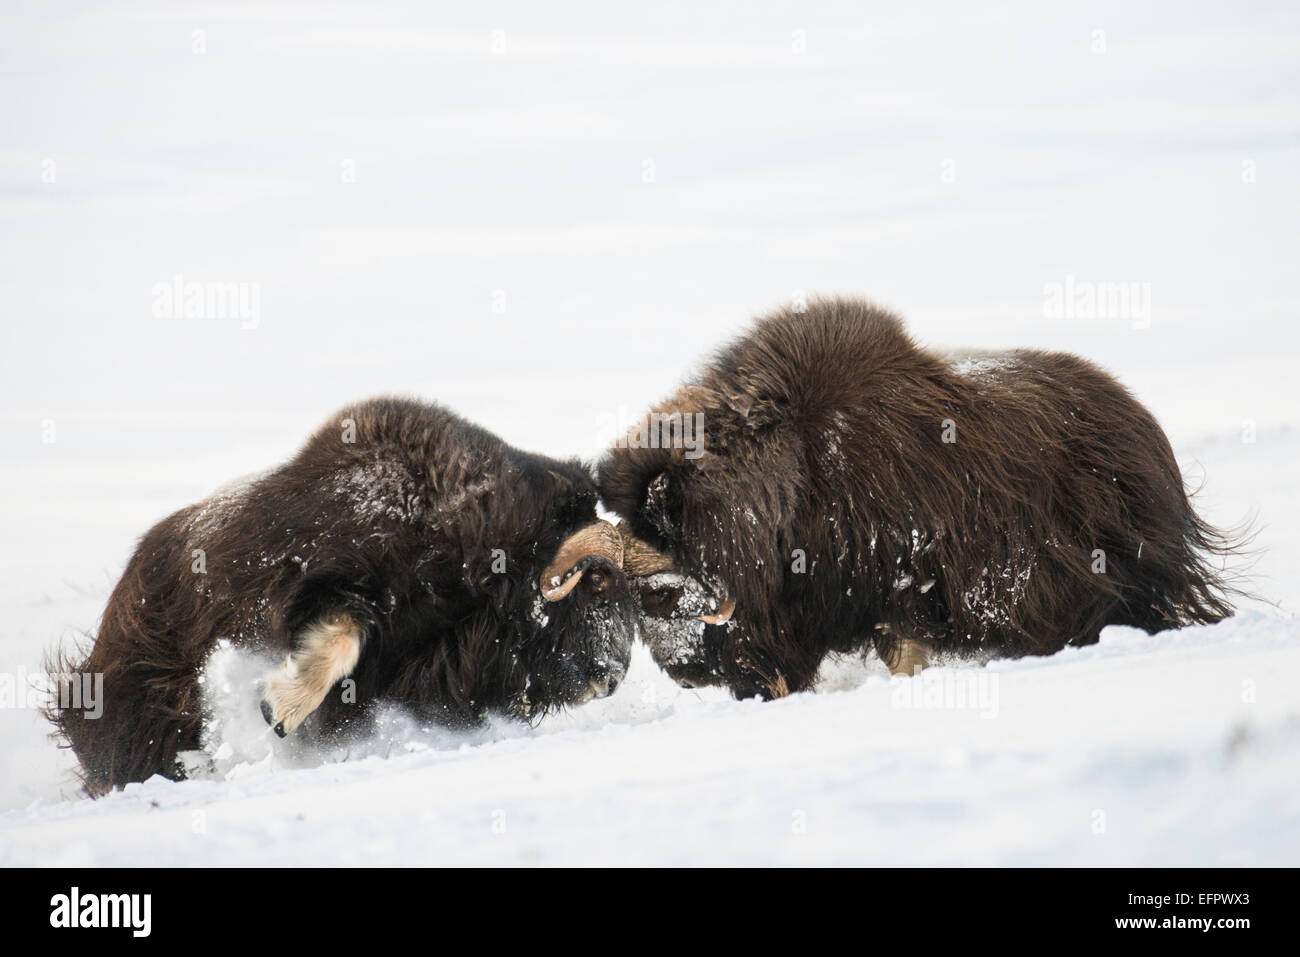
(641, 560)
(723, 614)
(561, 576)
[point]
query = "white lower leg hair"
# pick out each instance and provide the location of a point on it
(906, 656)
(326, 652)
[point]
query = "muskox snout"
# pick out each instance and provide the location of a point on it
(605, 681)
(602, 681)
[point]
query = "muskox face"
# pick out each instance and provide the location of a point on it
(674, 611)
(587, 618)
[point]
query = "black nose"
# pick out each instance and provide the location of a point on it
(604, 680)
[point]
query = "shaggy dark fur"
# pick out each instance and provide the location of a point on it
(395, 529)
(824, 437)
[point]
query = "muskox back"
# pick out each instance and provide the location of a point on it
(855, 487)
(407, 543)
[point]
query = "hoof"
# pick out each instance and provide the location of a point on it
(268, 714)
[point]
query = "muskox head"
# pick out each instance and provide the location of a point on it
(674, 607)
(666, 483)
(588, 619)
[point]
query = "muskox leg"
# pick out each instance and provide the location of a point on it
(325, 652)
(902, 656)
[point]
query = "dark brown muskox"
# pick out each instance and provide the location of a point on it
(403, 547)
(852, 488)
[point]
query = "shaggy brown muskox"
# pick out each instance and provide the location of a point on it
(403, 547)
(852, 488)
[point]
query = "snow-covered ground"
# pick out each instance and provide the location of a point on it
(543, 217)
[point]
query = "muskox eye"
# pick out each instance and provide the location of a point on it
(597, 581)
(661, 602)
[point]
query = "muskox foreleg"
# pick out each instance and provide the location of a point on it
(325, 652)
(902, 655)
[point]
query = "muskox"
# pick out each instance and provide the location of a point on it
(843, 487)
(403, 548)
